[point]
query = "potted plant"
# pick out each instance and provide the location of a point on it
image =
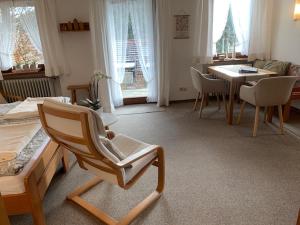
(94, 102)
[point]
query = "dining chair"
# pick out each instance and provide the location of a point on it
(267, 92)
(205, 84)
(120, 160)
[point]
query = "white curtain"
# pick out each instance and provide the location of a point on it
(260, 29)
(100, 50)
(163, 24)
(203, 36)
(241, 19)
(55, 63)
(29, 24)
(220, 13)
(141, 12)
(117, 22)
(7, 35)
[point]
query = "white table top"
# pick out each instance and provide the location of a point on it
(230, 72)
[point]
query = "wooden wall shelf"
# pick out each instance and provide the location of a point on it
(74, 26)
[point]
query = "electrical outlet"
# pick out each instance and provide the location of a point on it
(183, 89)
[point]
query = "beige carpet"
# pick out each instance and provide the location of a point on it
(216, 174)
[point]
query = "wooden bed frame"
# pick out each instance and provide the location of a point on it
(36, 183)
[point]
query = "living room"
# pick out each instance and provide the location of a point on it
(197, 100)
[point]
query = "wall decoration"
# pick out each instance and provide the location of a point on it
(182, 27)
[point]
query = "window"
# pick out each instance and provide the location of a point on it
(134, 84)
(20, 45)
(231, 26)
(25, 52)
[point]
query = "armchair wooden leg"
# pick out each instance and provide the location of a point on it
(225, 105)
(298, 221)
(196, 101)
(256, 122)
(241, 112)
(286, 111)
(202, 105)
(280, 118)
(133, 213)
(266, 115)
(218, 101)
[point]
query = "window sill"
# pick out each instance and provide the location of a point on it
(230, 60)
(23, 74)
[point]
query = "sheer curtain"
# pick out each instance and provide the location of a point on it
(220, 13)
(7, 35)
(29, 24)
(241, 19)
(100, 50)
(55, 61)
(203, 37)
(141, 12)
(261, 29)
(117, 21)
(163, 24)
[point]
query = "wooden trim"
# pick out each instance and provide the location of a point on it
(133, 101)
(23, 75)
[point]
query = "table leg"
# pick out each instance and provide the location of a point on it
(270, 114)
(230, 104)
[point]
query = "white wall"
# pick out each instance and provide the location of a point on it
(182, 55)
(78, 48)
(286, 32)
(77, 45)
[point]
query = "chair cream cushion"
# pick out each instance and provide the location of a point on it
(112, 148)
(129, 146)
(73, 128)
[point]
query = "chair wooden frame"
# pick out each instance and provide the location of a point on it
(110, 167)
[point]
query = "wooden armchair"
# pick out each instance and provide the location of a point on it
(293, 71)
(120, 161)
(75, 88)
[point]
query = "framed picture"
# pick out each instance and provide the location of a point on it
(182, 27)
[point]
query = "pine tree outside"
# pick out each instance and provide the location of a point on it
(228, 40)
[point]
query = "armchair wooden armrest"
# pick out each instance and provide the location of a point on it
(75, 88)
(132, 158)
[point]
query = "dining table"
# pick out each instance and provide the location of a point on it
(236, 75)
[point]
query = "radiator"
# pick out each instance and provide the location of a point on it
(35, 87)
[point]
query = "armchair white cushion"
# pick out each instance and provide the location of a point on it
(274, 91)
(205, 84)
